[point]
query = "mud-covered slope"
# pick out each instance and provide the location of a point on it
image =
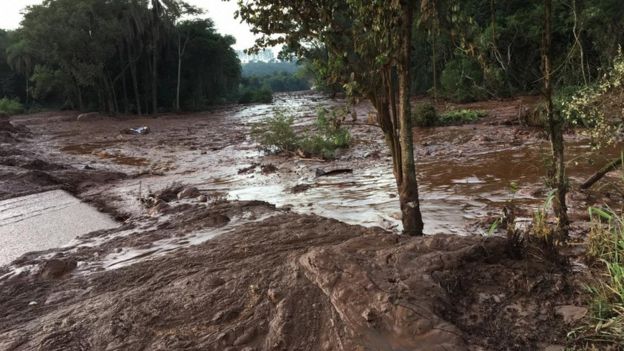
(288, 282)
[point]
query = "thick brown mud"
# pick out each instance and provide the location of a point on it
(270, 256)
(290, 281)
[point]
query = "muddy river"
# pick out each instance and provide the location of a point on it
(466, 173)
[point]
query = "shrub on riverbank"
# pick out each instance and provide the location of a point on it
(425, 115)
(277, 134)
(10, 106)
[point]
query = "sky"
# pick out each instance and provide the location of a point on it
(222, 13)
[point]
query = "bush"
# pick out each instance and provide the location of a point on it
(10, 106)
(328, 136)
(461, 116)
(424, 115)
(462, 80)
(276, 134)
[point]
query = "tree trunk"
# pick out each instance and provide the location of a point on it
(408, 191)
(155, 81)
(155, 46)
(124, 88)
(179, 73)
(611, 166)
(434, 66)
(135, 84)
(555, 127)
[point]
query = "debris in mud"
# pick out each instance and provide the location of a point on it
(321, 173)
(268, 169)
(188, 192)
(137, 130)
(248, 169)
(55, 268)
(300, 188)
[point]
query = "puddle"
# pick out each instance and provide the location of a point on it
(43, 221)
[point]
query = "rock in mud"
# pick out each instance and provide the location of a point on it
(55, 268)
(570, 313)
(159, 208)
(189, 192)
(202, 198)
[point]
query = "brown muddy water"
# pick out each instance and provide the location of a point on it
(465, 172)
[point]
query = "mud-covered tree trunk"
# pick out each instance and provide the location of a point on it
(555, 129)
(394, 116)
(408, 191)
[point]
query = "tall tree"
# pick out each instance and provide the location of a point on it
(369, 48)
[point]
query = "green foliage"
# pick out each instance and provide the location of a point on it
(599, 106)
(606, 245)
(259, 95)
(276, 134)
(10, 106)
(121, 56)
(425, 115)
(278, 82)
(328, 136)
(461, 80)
(461, 116)
(263, 69)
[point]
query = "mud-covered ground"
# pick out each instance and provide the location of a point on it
(221, 270)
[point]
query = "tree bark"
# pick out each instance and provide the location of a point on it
(408, 190)
(555, 128)
(179, 74)
(611, 166)
(135, 84)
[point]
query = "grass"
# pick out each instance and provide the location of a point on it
(425, 115)
(606, 248)
(461, 116)
(276, 134)
(10, 106)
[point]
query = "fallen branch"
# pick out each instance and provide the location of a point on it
(602, 172)
(322, 173)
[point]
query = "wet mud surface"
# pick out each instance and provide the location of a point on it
(263, 254)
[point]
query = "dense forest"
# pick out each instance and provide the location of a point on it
(475, 50)
(118, 56)
(144, 56)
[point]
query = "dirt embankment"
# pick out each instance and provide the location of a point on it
(288, 282)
